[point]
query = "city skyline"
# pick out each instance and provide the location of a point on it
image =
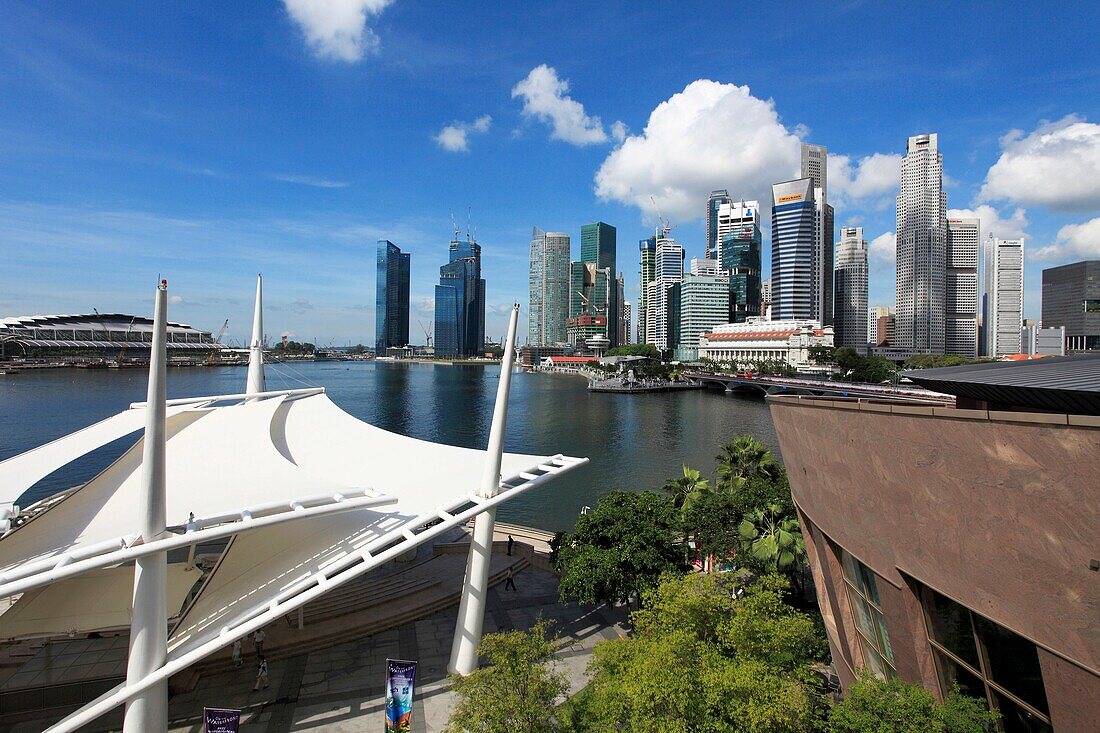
(138, 145)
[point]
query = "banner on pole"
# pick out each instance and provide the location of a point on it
(221, 720)
(400, 676)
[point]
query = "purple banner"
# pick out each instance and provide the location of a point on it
(399, 695)
(220, 720)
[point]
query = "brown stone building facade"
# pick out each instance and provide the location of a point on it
(956, 546)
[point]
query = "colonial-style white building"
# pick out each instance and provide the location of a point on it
(758, 339)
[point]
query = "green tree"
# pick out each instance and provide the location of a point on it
(822, 355)
(773, 539)
(703, 660)
(647, 350)
(687, 488)
(620, 548)
(872, 705)
(743, 458)
(516, 693)
(711, 518)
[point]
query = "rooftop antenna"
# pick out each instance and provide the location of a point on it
(467, 223)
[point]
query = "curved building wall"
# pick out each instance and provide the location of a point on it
(997, 511)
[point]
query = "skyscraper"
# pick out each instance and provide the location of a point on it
(590, 299)
(391, 297)
(961, 298)
(850, 309)
(1004, 296)
(647, 250)
(704, 304)
(921, 249)
(794, 243)
(739, 247)
(598, 247)
(714, 203)
(1071, 298)
(815, 166)
(668, 270)
(549, 288)
(460, 301)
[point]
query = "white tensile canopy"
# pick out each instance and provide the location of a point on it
(237, 469)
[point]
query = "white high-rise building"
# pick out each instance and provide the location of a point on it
(735, 217)
(921, 249)
(668, 269)
(705, 267)
(850, 278)
(1003, 318)
(766, 299)
(815, 166)
(704, 305)
(961, 302)
(548, 288)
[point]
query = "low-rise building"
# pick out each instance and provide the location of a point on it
(759, 340)
(1039, 341)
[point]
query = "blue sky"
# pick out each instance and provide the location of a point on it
(205, 142)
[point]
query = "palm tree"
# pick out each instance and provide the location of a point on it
(774, 539)
(742, 459)
(686, 488)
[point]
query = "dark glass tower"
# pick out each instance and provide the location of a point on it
(598, 248)
(714, 201)
(460, 302)
(741, 259)
(391, 297)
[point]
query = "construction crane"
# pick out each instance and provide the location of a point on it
(427, 332)
(215, 353)
(221, 333)
(665, 227)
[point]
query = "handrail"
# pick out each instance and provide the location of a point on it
(301, 392)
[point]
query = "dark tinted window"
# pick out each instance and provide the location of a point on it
(950, 626)
(1013, 663)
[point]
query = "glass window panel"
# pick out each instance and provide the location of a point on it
(1013, 663)
(870, 587)
(1016, 719)
(952, 673)
(950, 626)
(860, 611)
(871, 659)
(882, 636)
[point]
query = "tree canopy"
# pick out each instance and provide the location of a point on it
(620, 548)
(872, 705)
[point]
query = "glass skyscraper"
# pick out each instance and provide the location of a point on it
(598, 248)
(391, 297)
(549, 288)
(850, 283)
(740, 246)
(714, 203)
(794, 241)
(460, 302)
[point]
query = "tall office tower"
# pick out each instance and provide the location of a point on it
(815, 166)
(705, 267)
(961, 297)
(794, 243)
(1071, 298)
(740, 245)
(549, 288)
(668, 270)
(622, 326)
(1004, 295)
(850, 278)
(766, 298)
(647, 250)
(460, 302)
(598, 246)
(391, 297)
(703, 305)
(714, 203)
(921, 249)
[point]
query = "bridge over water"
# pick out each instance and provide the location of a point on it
(817, 387)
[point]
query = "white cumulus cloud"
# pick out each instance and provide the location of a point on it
(337, 29)
(455, 136)
(1074, 242)
(992, 222)
(883, 248)
(545, 97)
(870, 177)
(710, 135)
(1056, 166)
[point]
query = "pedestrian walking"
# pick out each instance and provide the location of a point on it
(237, 661)
(510, 543)
(261, 674)
(258, 642)
(511, 581)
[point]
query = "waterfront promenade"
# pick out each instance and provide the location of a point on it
(329, 676)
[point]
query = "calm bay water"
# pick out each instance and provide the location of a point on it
(633, 441)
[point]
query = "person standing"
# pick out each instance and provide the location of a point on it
(511, 581)
(510, 543)
(237, 661)
(261, 674)
(258, 642)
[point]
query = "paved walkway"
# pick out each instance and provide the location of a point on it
(340, 688)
